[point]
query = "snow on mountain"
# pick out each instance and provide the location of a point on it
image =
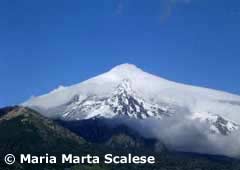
(123, 101)
(127, 90)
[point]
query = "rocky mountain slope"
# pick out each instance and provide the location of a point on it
(24, 130)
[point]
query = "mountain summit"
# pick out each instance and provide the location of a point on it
(128, 91)
(126, 67)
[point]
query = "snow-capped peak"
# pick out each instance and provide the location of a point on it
(126, 68)
(128, 90)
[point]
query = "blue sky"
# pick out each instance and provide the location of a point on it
(45, 43)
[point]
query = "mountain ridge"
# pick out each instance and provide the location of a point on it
(26, 131)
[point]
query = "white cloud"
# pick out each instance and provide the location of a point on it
(182, 134)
